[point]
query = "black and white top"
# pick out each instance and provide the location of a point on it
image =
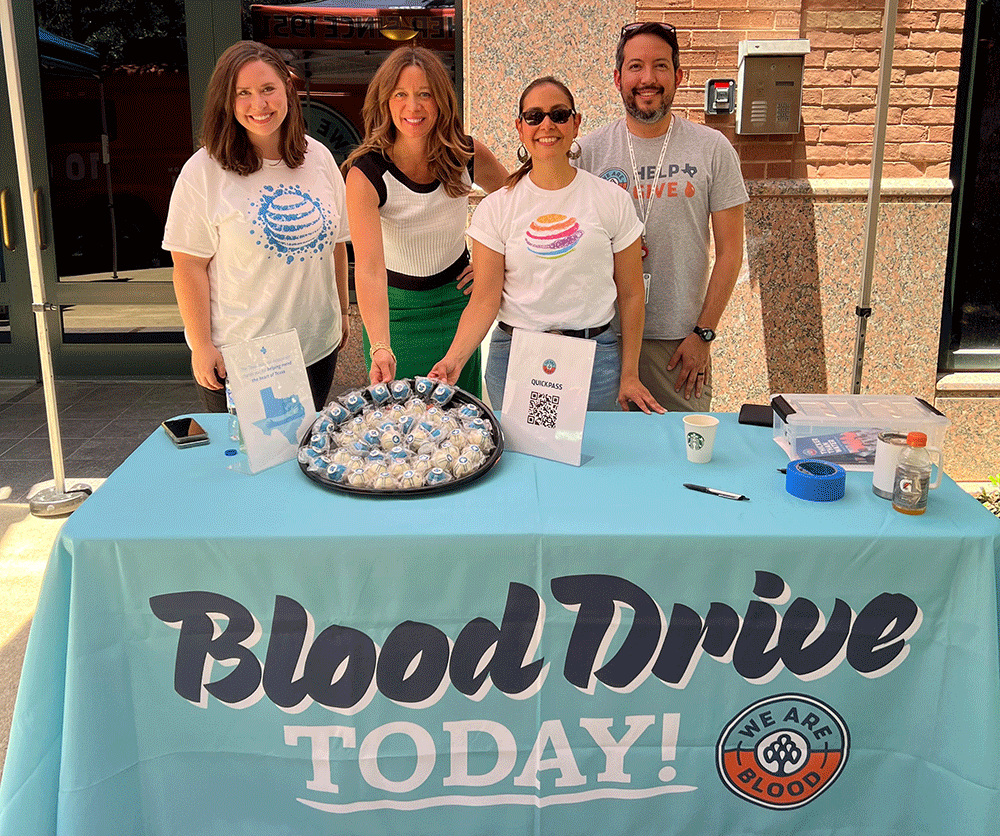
(423, 229)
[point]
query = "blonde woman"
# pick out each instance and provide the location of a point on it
(407, 201)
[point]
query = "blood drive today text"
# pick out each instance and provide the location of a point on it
(342, 668)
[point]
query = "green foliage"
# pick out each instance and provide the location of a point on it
(991, 499)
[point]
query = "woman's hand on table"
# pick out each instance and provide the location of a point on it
(464, 282)
(208, 366)
(631, 389)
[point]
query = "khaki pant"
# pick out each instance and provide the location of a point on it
(653, 359)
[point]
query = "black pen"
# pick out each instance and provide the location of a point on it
(716, 492)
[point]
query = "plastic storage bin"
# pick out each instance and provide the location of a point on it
(844, 428)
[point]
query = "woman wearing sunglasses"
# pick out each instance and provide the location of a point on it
(554, 251)
(407, 201)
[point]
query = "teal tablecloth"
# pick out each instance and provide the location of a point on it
(554, 650)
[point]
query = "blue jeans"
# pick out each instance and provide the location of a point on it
(605, 379)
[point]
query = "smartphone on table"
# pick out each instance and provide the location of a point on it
(185, 432)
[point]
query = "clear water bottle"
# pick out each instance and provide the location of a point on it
(235, 433)
(913, 475)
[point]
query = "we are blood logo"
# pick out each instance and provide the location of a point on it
(549, 366)
(783, 751)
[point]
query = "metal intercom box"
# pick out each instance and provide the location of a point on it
(770, 86)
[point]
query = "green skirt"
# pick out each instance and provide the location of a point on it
(422, 324)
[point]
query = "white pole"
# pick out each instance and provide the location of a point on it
(863, 309)
(52, 502)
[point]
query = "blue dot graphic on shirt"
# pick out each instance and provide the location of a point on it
(552, 236)
(291, 222)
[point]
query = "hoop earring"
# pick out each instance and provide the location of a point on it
(522, 154)
(575, 150)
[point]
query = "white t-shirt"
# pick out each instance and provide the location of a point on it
(270, 236)
(558, 247)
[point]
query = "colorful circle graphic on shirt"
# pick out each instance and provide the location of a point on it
(291, 222)
(552, 236)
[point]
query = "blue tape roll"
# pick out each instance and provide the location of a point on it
(815, 480)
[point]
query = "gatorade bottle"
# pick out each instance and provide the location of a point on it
(913, 476)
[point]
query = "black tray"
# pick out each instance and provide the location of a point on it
(460, 397)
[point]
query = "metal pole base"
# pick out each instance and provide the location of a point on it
(50, 502)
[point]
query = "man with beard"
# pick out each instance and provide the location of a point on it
(683, 178)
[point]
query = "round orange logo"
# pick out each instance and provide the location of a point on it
(783, 751)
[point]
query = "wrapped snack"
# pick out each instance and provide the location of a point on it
(468, 410)
(422, 464)
(406, 423)
(481, 438)
(433, 415)
(476, 424)
(427, 448)
(415, 407)
(424, 386)
(375, 417)
(336, 412)
(398, 454)
(419, 435)
(411, 479)
(357, 478)
(376, 455)
(344, 439)
(449, 422)
(323, 425)
(437, 476)
(397, 411)
(400, 390)
(442, 393)
(390, 439)
(379, 393)
(319, 442)
(463, 466)
(442, 460)
(458, 437)
(384, 482)
(353, 401)
(374, 469)
(357, 425)
(336, 472)
(474, 453)
(397, 469)
(372, 437)
(342, 456)
(307, 455)
(359, 447)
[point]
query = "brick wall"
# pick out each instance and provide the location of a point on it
(839, 81)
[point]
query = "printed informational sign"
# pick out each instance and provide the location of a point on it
(545, 395)
(267, 377)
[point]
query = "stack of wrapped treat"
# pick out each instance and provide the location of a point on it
(398, 437)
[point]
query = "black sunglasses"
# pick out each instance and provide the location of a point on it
(558, 115)
(666, 28)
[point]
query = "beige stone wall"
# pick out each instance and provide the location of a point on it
(791, 324)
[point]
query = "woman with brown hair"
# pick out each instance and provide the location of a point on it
(407, 200)
(257, 226)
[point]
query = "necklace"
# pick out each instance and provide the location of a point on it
(645, 204)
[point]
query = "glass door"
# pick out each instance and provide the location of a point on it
(108, 108)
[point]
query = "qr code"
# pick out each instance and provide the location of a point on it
(543, 409)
